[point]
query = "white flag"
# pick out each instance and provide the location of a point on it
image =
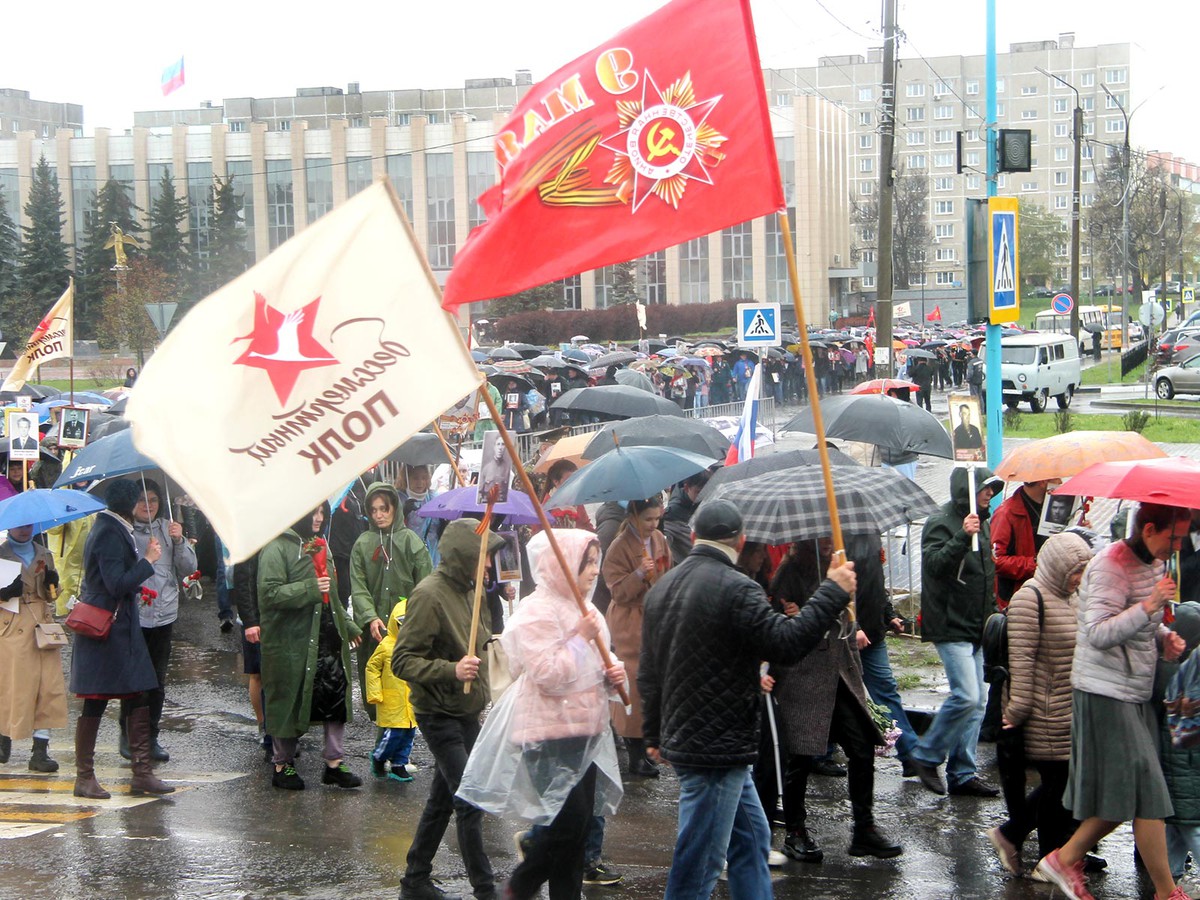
(641, 315)
(53, 338)
(287, 383)
(902, 311)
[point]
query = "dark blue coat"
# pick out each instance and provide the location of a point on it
(112, 577)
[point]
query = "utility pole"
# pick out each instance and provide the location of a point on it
(1125, 305)
(887, 147)
(1077, 129)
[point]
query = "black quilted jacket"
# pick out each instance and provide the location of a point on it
(706, 630)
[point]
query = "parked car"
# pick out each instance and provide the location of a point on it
(1178, 379)
(1104, 290)
(1185, 345)
(1042, 292)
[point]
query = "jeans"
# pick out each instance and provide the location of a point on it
(881, 685)
(1181, 840)
(225, 610)
(720, 819)
(450, 739)
(954, 731)
(557, 853)
(395, 745)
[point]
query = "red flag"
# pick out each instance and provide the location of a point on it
(935, 316)
(871, 318)
(655, 137)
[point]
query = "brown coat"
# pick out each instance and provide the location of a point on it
(622, 571)
(1038, 692)
(33, 693)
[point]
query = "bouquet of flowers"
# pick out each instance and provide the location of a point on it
(882, 717)
(318, 551)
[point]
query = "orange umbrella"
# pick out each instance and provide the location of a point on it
(1064, 455)
(570, 447)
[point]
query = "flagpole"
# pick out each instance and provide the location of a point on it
(437, 429)
(839, 547)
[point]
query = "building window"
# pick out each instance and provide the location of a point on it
(432, 118)
(916, 280)
(356, 122)
(403, 119)
(154, 174)
(866, 95)
(943, 183)
(238, 126)
(914, 90)
(1086, 200)
(1087, 79)
(318, 177)
(737, 265)
(83, 200)
(973, 182)
(239, 175)
(1089, 129)
(693, 270)
(358, 174)
(1089, 176)
(943, 207)
(943, 160)
(1029, 90)
(572, 293)
(866, 164)
(605, 282)
(785, 156)
(868, 234)
(866, 117)
(1114, 76)
(10, 191)
(652, 274)
(399, 170)
(1060, 177)
(943, 112)
(972, 88)
(1086, 151)
(914, 114)
(1060, 104)
(285, 125)
(1060, 201)
(972, 158)
(868, 281)
(1114, 126)
(916, 161)
(1114, 101)
(941, 88)
(200, 209)
(281, 213)
(973, 135)
(1060, 130)
(943, 136)
(783, 99)
(866, 188)
(999, 85)
(866, 141)
(1000, 110)
(1060, 154)
(943, 231)
(481, 175)
(915, 138)
(439, 193)
(1029, 114)
(944, 278)
(1028, 186)
(944, 254)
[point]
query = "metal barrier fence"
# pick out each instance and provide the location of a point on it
(1133, 357)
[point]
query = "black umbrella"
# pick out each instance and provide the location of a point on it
(933, 345)
(616, 358)
(548, 362)
(880, 420)
(103, 425)
(660, 431)
(733, 353)
(36, 391)
(574, 354)
(421, 449)
(527, 351)
(655, 344)
(500, 381)
(635, 379)
(616, 400)
(774, 462)
(719, 345)
(504, 353)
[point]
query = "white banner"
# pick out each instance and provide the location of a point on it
(54, 338)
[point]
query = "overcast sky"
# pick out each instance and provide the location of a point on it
(110, 58)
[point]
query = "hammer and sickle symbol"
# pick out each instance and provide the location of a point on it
(660, 144)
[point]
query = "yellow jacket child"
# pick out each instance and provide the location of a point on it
(385, 691)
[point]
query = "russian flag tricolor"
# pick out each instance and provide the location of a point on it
(742, 447)
(172, 77)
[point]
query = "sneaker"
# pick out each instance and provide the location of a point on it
(1178, 894)
(907, 769)
(287, 779)
(775, 859)
(401, 774)
(379, 768)
(599, 873)
(1068, 880)
(1093, 864)
(802, 847)
(522, 840)
(226, 626)
(1006, 851)
(341, 776)
(870, 841)
(974, 788)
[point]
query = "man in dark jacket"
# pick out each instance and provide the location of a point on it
(432, 655)
(958, 593)
(676, 523)
(706, 630)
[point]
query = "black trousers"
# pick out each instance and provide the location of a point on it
(1043, 808)
(557, 853)
(450, 739)
(158, 643)
(851, 729)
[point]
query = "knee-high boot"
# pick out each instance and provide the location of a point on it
(867, 839)
(639, 763)
(85, 753)
(143, 781)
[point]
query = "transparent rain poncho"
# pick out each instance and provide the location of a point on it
(553, 723)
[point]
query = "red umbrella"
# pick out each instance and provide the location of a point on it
(883, 385)
(1173, 481)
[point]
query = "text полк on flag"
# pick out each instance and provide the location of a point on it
(287, 383)
(655, 137)
(54, 338)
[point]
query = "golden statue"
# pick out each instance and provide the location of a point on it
(117, 242)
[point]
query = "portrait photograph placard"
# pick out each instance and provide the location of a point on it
(73, 422)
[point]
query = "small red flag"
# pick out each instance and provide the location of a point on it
(935, 316)
(656, 137)
(871, 318)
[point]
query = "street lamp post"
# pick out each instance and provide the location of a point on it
(1077, 128)
(1124, 222)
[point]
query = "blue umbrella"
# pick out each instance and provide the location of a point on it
(629, 473)
(517, 509)
(81, 397)
(44, 509)
(110, 456)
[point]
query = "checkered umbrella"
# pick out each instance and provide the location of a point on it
(789, 505)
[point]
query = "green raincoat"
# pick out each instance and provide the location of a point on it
(289, 607)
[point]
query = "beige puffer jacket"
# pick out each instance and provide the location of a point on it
(1039, 662)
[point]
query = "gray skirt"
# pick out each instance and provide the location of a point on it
(1115, 773)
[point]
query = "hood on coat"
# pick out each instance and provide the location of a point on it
(396, 619)
(459, 547)
(382, 487)
(302, 527)
(959, 487)
(1061, 557)
(547, 573)
(610, 511)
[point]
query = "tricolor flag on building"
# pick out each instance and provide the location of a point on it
(655, 137)
(317, 363)
(742, 446)
(172, 77)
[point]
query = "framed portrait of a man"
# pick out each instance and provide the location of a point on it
(22, 433)
(495, 469)
(1058, 511)
(966, 428)
(72, 427)
(508, 558)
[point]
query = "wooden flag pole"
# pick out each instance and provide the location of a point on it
(480, 567)
(437, 429)
(810, 377)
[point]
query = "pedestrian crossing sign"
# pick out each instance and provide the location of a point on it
(758, 324)
(1004, 272)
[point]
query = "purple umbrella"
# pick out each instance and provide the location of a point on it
(517, 509)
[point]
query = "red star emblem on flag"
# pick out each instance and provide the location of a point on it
(282, 345)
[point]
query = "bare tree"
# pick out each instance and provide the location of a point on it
(910, 225)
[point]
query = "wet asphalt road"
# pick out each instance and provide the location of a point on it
(229, 834)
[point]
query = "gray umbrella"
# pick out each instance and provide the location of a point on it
(660, 431)
(548, 362)
(789, 505)
(882, 421)
(634, 379)
(916, 353)
(419, 450)
(615, 358)
(774, 462)
(616, 400)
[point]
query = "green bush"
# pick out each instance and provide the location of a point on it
(1135, 420)
(1064, 421)
(1012, 420)
(617, 323)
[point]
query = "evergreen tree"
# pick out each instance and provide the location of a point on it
(168, 249)
(624, 283)
(93, 264)
(43, 258)
(10, 248)
(227, 253)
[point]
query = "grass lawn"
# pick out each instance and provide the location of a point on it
(84, 383)
(1104, 374)
(1167, 429)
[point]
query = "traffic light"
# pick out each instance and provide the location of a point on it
(1015, 150)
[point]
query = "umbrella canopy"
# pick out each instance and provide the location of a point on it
(617, 400)
(917, 353)
(880, 420)
(570, 447)
(659, 431)
(630, 378)
(421, 449)
(36, 391)
(452, 504)
(574, 354)
(616, 358)
(478, 355)
(82, 398)
(106, 425)
(629, 473)
(501, 379)
(696, 361)
(527, 351)
(504, 353)
(789, 505)
(117, 407)
(580, 338)
(1064, 455)
(513, 367)
(933, 345)
(773, 462)
(105, 458)
(883, 385)
(45, 508)
(548, 362)
(1173, 481)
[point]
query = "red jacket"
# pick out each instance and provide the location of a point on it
(1013, 546)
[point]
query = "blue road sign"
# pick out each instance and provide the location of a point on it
(1062, 304)
(758, 324)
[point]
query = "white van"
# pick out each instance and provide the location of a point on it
(1036, 367)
